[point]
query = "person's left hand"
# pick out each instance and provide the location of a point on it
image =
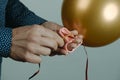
(55, 27)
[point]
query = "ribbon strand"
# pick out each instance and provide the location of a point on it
(86, 70)
(35, 73)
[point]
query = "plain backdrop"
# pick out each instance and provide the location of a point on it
(104, 62)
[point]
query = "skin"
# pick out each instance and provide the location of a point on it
(31, 42)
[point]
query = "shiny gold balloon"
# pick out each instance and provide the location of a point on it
(97, 20)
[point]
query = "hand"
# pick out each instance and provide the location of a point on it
(55, 27)
(29, 42)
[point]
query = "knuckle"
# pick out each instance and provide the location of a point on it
(48, 51)
(26, 57)
(61, 42)
(42, 28)
(54, 45)
(29, 46)
(55, 34)
(32, 37)
(35, 26)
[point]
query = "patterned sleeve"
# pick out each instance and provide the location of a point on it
(5, 41)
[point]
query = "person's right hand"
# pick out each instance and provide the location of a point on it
(29, 42)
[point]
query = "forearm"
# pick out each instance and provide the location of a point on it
(5, 41)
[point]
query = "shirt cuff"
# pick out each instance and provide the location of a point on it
(5, 41)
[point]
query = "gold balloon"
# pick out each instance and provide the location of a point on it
(97, 20)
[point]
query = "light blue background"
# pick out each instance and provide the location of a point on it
(104, 62)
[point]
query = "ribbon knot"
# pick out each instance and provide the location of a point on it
(68, 37)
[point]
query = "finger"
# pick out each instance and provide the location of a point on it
(51, 34)
(41, 41)
(48, 42)
(32, 58)
(40, 50)
(61, 51)
(80, 36)
(77, 40)
(25, 56)
(35, 48)
(20, 54)
(74, 32)
(72, 46)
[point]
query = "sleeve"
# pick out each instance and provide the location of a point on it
(5, 41)
(19, 15)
